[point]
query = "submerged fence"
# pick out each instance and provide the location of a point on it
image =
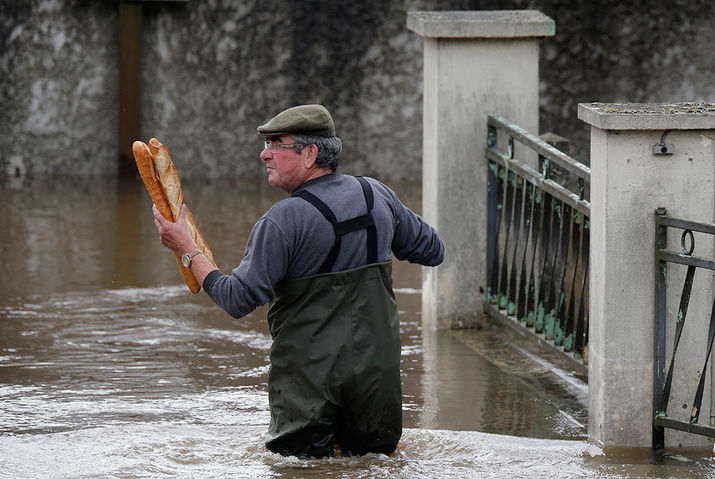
(538, 238)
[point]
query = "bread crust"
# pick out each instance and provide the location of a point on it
(161, 179)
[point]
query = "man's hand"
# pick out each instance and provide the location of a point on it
(174, 235)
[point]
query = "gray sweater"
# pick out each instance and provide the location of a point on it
(293, 239)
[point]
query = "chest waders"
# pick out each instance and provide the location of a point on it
(335, 357)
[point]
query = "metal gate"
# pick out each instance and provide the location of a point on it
(538, 239)
(662, 381)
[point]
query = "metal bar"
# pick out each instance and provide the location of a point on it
(686, 426)
(550, 317)
(560, 322)
(680, 258)
(535, 235)
(503, 275)
(661, 242)
(695, 414)
(543, 148)
(539, 180)
(679, 323)
(708, 228)
(546, 228)
(571, 313)
(581, 343)
(545, 168)
(513, 277)
(500, 181)
(523, 292)
(494, 209)
(491, 136)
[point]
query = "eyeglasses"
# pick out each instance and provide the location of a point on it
(274, 145)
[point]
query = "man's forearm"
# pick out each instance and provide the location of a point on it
(200, 265)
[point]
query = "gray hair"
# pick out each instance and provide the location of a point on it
(329, 149)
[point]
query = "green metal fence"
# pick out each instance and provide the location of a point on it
(538, 239)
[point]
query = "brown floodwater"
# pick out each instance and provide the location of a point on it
(110, 367)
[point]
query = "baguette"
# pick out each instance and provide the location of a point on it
(161, 179)
(169, 178)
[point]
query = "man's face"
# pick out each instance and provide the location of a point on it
(285, 166)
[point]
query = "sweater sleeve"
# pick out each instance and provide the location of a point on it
(251, 284)
(414, 239)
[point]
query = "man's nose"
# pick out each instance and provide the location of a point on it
(266, 154)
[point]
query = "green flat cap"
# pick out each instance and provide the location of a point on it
(307, 119)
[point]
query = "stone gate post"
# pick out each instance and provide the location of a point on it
(645, 156)
(476, 63)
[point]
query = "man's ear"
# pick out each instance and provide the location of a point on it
(311, 157)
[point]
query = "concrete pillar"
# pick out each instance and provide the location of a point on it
(476, 63)
(629, 180)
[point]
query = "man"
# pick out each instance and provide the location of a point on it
(322, 257)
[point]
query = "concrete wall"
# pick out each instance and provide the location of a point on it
(58, 87)
(215, 69)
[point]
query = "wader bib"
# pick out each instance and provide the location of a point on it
(335, 358)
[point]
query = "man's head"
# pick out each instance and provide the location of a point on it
(300, 145)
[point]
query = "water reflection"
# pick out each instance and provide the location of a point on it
(109, 366)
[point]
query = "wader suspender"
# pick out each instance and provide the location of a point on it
(343, 227)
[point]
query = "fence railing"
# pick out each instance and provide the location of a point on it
(538, 238)
(662, 381)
